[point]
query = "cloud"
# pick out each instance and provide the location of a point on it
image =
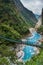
(34, 5)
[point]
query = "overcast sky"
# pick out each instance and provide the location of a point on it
(33, 5)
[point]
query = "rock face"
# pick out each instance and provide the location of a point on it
(39, 23)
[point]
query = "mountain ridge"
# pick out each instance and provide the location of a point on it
(26, 12)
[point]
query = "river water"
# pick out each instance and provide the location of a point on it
(29, 51)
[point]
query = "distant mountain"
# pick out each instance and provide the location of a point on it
(37, 16)
(15, 19)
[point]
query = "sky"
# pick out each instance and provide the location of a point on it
(33, 5)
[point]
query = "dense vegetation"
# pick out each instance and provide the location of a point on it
(10, 20)
(12, 25)
(40, 29)
(7, 55)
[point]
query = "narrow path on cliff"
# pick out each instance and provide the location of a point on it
(19, 42)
